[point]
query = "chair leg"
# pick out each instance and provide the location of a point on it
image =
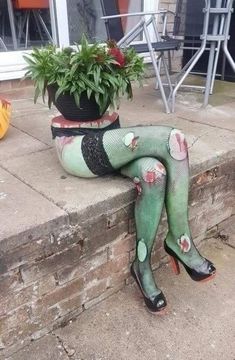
(27, 30)
(187, 69)
(167, 73)
(209, 74)
(21, 26)
(44, 27)
(38, 24)
(3, 44)
(157, 72)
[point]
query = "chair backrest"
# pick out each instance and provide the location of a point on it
(113, 27)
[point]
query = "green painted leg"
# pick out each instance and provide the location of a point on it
(169, 146)
(126, 145)
(149, 176)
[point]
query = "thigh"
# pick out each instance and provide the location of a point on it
(127, 144)
(104, 152)
(69, 150)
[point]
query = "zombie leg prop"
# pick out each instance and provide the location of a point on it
(156, 158)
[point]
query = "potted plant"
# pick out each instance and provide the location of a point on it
(83, 81)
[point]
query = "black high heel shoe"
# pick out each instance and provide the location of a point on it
(158, 304)
(206, 271)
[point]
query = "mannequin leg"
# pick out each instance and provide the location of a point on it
(169, 146)
(148, 210)
(99, 154)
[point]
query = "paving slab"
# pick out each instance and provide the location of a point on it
(37, 125)
(199, 323)
(24, 92)
(47, 348)
(17, 143)
(23, 210)
(21, 106)
(218, 117)
(68, 192)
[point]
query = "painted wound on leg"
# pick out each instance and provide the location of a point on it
(155, 174)
(142, 250)
(184, 243)
(130, 140)
(160, 168)
(177, 145)
(137, 185)
(61, 142)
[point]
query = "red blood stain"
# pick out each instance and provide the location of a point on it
(184, 245)
(133, 144)
(150, 176)
(66, 140)
(138, 188)
(160, 168)
(182, 142)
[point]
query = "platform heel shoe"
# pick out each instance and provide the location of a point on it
(157, 304)
(206, 271)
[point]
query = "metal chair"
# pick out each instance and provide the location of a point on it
(162, 43)
(28, 8)
(214, 37)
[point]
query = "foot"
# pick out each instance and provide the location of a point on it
(185, 249)
(198, 267)
(153, 297)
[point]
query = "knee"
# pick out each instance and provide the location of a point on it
(151, 173)
(177, 145)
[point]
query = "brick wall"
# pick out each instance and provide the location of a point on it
(49, 280)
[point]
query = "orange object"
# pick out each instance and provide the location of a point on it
(5, 113)
(31, 4)
(123, 6)
(174, 265)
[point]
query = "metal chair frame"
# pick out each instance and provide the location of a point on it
(39, 23)
(155, 49)
(216, 40)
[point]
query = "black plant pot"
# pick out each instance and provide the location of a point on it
(65, 103)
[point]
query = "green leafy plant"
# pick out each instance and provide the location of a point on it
(100, 70)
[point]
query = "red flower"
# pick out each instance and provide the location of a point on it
(118, 56)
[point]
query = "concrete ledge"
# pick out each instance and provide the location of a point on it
(66, 243)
